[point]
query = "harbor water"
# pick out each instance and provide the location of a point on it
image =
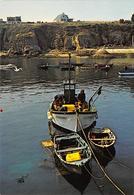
(25, 167)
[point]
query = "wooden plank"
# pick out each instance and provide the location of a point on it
(72, 149)
(101, 139)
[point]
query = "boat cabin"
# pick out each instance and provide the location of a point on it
(69, 93)
(68, 101)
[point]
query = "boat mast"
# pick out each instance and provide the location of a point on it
(69, 74)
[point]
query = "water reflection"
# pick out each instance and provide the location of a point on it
(78, 181)
(104, 156)
(25, 99)
(81, 181)
(88, 74)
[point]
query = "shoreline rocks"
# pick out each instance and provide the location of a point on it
(81, 39)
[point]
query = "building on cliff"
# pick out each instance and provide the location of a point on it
(132, 40)
(14, 20)
(63, 18)
(2, 21)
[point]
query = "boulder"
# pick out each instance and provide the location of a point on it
(102, 53)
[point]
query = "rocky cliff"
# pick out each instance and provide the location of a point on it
(34, 38)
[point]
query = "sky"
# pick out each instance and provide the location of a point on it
(84, 10)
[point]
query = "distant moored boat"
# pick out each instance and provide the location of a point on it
(127, 72)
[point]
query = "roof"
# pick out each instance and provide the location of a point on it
(61, 17)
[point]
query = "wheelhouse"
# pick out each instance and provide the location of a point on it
(69, 93)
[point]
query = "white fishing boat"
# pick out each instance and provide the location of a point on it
(68, 111)
(127, 72)
(10, 67)
(67, 114)
(72, 151)
(101, 138)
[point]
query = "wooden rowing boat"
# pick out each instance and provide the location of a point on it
(72, 151)
(101, 138)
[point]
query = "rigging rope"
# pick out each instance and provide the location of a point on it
(95, 180)
(105, 174)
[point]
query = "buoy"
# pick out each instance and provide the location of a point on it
(1, 110)
(20, 180)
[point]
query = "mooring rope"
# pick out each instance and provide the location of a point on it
(105, 174)
(94, 177)
(114, 160)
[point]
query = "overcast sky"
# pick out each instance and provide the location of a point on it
(47, 10)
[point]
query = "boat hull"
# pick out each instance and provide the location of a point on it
(75, 168)
(70, 121)
(101, 148)
(71, 168)
(128, 72)
(66, 69)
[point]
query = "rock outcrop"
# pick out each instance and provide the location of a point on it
(27, 39)
(102, 53)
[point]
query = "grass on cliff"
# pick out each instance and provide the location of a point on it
(85, 23)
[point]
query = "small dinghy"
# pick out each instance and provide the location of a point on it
(101, 138)
(102, 65)
(44, 67)
(72, 63)
(105, 68)
(72, 151)
(66, 68)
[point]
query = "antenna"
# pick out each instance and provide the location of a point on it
(69, 73)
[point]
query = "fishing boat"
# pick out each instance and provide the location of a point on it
(44, 67)
(71, 114)
(105, 68)
(77, 64)
(72, 151)
(102, 65)
(66, 68)
(10, 67)
(127, 72)
(101, 138)
(72, 63)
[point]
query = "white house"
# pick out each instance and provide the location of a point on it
(63, 18)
